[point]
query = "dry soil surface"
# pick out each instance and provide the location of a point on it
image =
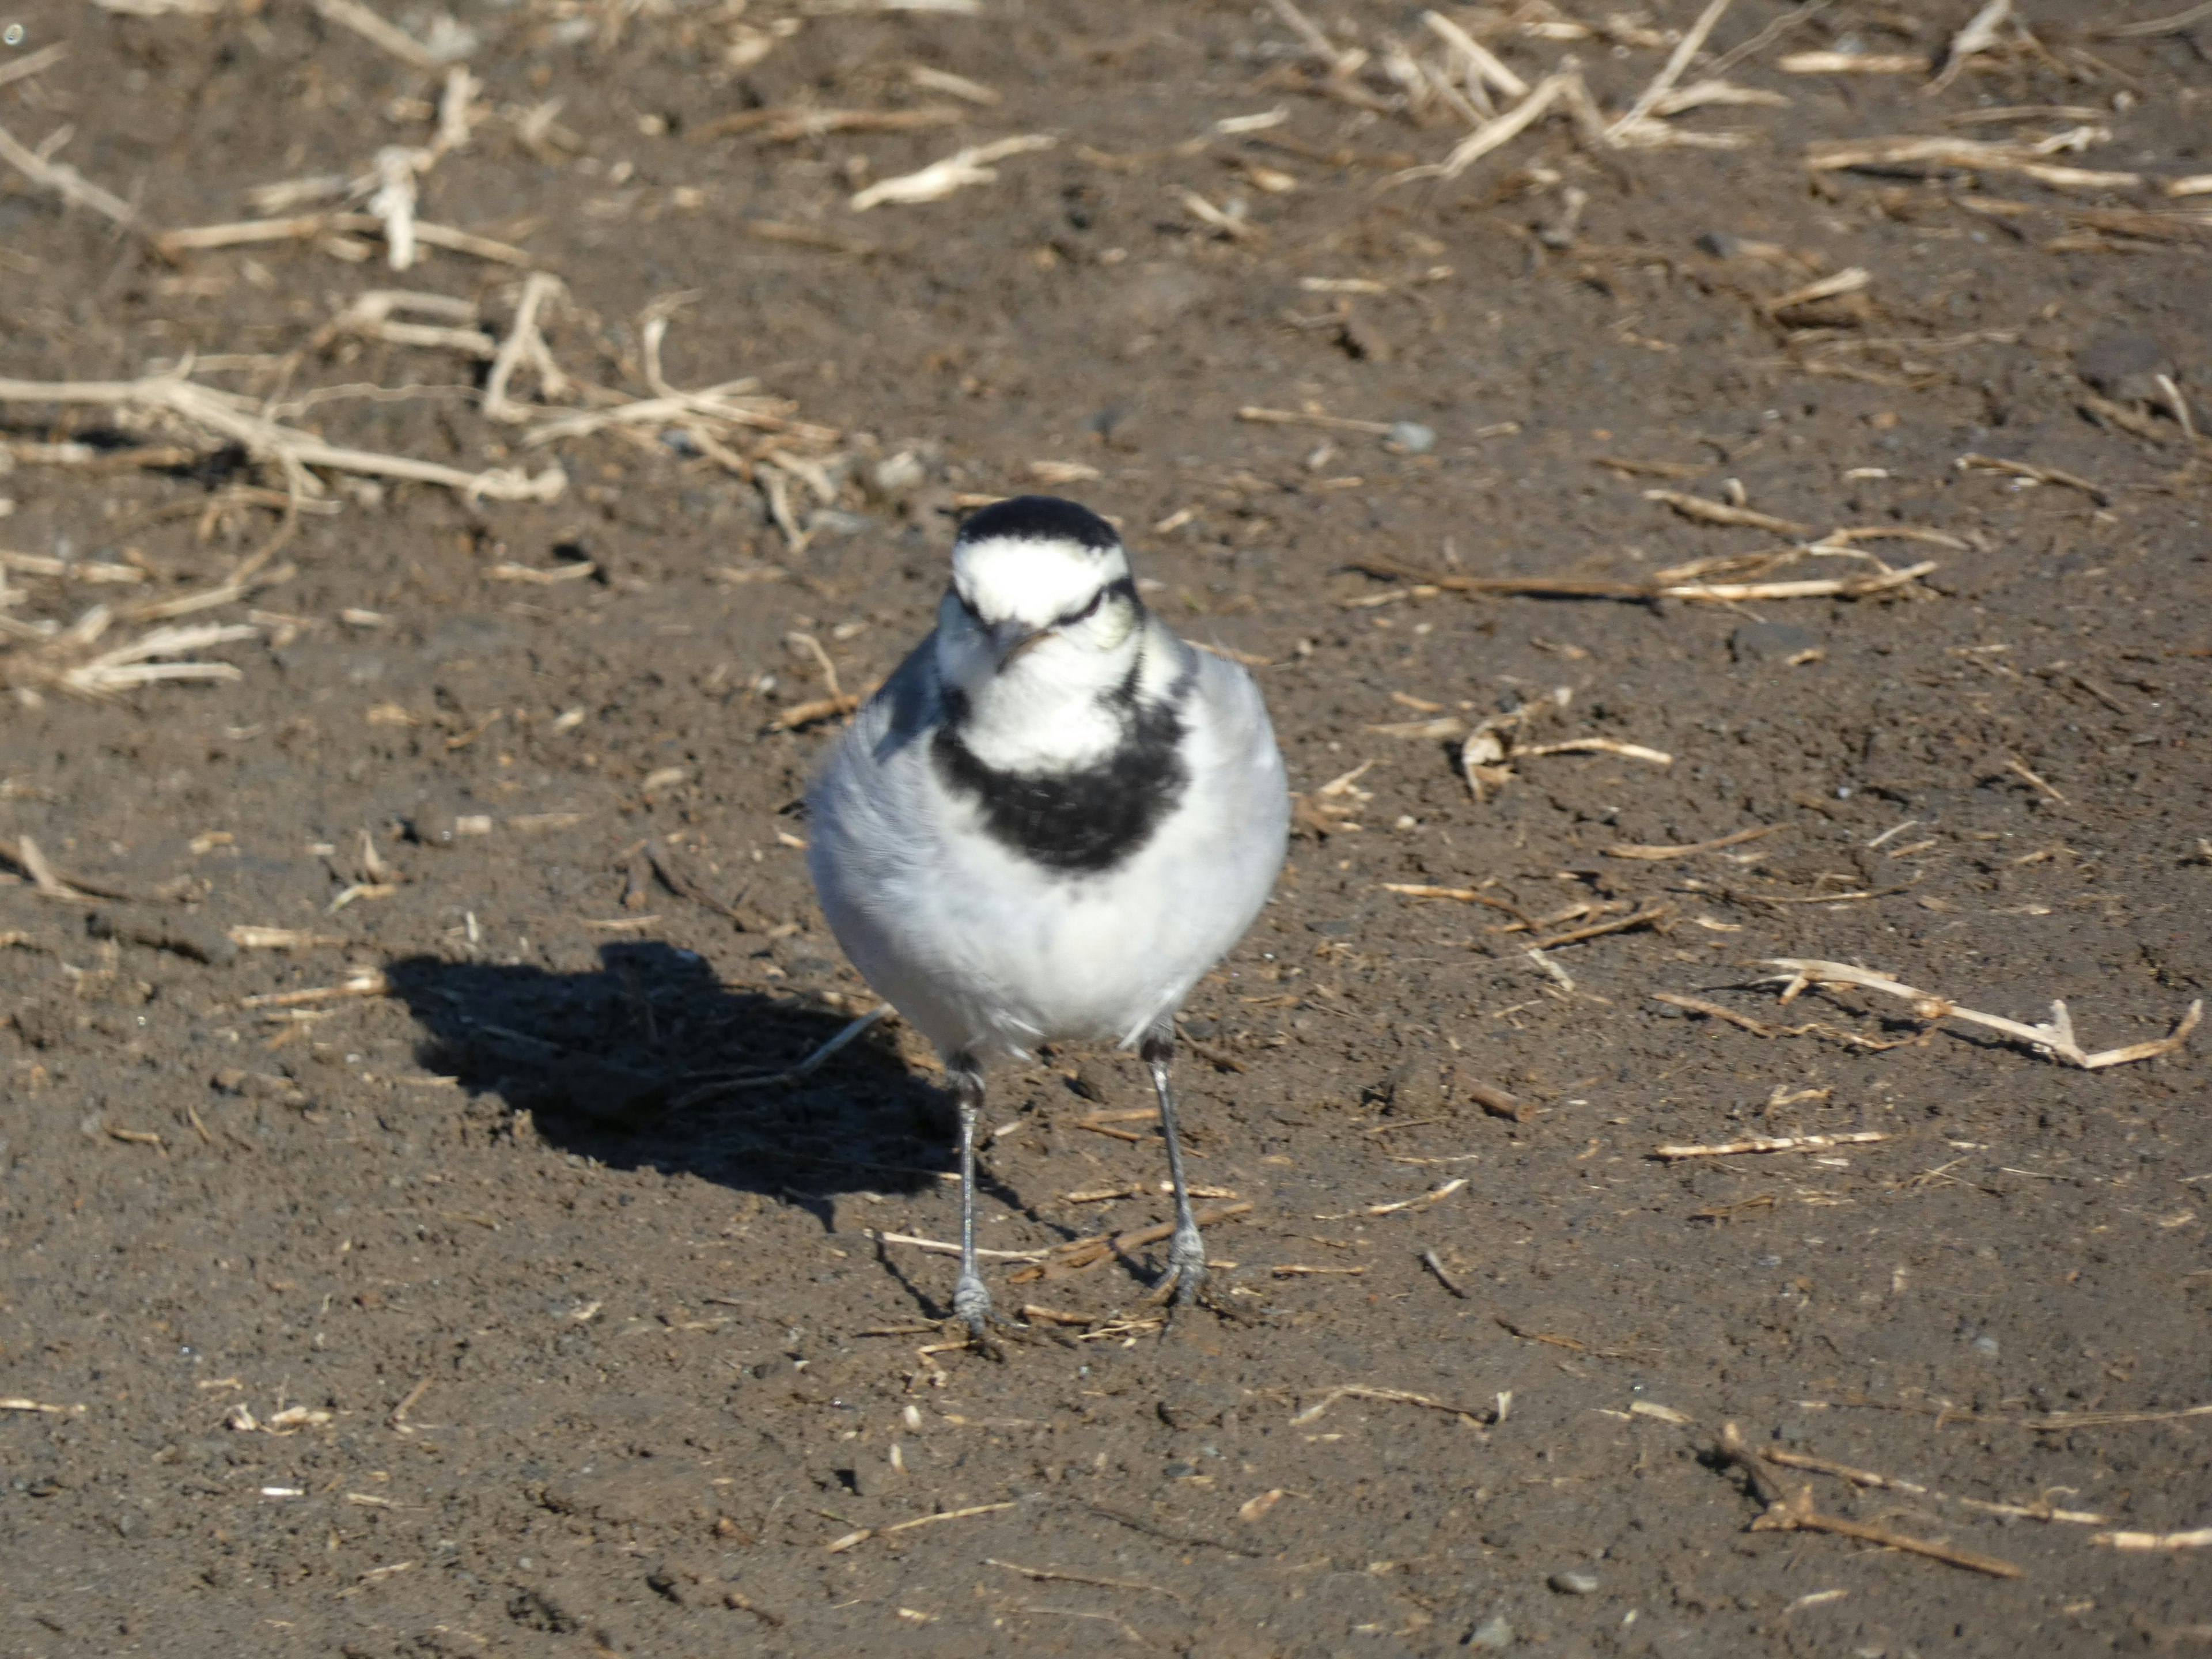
(420, 1284)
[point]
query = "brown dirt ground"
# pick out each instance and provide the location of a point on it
(601, 1374)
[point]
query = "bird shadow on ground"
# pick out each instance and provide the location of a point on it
(602, 1062)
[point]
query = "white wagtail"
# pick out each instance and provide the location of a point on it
(1052, 819)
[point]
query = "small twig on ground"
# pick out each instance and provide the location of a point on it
(1714, 1011)
(866, 1533)
(1888, 1482)
(1495, 1101)
(1976, 154)
(1049, 1575)
(235, 418)
(2199, 1540)
(1473, 1414)
(1077, 1254)
(383, 36)
(1705, 512)
(1849, 588)
(361, 983)
(1785, 1513)
(1429, 1260)
(68, 182)
(2057, 1036)
(1685, 50)
(1652, 913)
(940, 1247)
(1601, 747)
(1770, 1144)
(2049, 475)
(1735, 838)
(26, 856)
(1459, 895)
(955, 172)
(36, 64)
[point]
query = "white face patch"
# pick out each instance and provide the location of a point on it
(1005, 578)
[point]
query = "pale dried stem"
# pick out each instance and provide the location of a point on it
(1888, 1483)
(1477, 56)
(38, 63)
(1689, 46)
(1769, 1144)
(385, 37)
(1476, 1414)
(68, 182)
(1976, 154)
(2057, 1036)
(955, 172)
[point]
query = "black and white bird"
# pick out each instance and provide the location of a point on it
(1051, 821)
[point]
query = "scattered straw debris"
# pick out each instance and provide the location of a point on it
(1868, 1478)
(2046, 475)
(1979, 155)
(1785, 1514)
(1474, 1416)
(1078, 1254)
(1735, 839)
(956, 172)
(2199, 1540)
(1770, 1144)
(861, 1536)
(2056, 1037)
(218, 418)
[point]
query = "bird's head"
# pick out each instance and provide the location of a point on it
(1041, 593)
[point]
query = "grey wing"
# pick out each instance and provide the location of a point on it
(1252, 765)
(867, 810)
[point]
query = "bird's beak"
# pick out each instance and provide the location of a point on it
(1010, 638)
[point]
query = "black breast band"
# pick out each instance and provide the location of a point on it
(1086, 821)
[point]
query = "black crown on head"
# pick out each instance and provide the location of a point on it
(1039, 519)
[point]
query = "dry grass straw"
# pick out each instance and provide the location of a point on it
(2201, 1538)
(383, 36)
(1673, 1154)
(1786, 1514)
(1659, 854)
(2056, 1037)
(68, 183)
(1079, 1254)
(1868, 1478)
(216, 418)
(954, 173)
(1499, 742)
(1979, 155)
(1474, 1416)
(864, 1533)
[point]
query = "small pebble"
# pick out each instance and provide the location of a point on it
(1986, 1343)
(1574, 1584)
(1494, 1632)
(1412, 437)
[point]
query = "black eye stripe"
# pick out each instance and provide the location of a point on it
(1122, 589)
(1090, 610)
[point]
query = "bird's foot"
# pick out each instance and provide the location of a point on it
(971, 1306)
(1185, 1278)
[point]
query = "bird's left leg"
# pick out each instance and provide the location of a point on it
(971, 1301)
(1186, 1272)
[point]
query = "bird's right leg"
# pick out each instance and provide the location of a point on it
(971, 1302)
